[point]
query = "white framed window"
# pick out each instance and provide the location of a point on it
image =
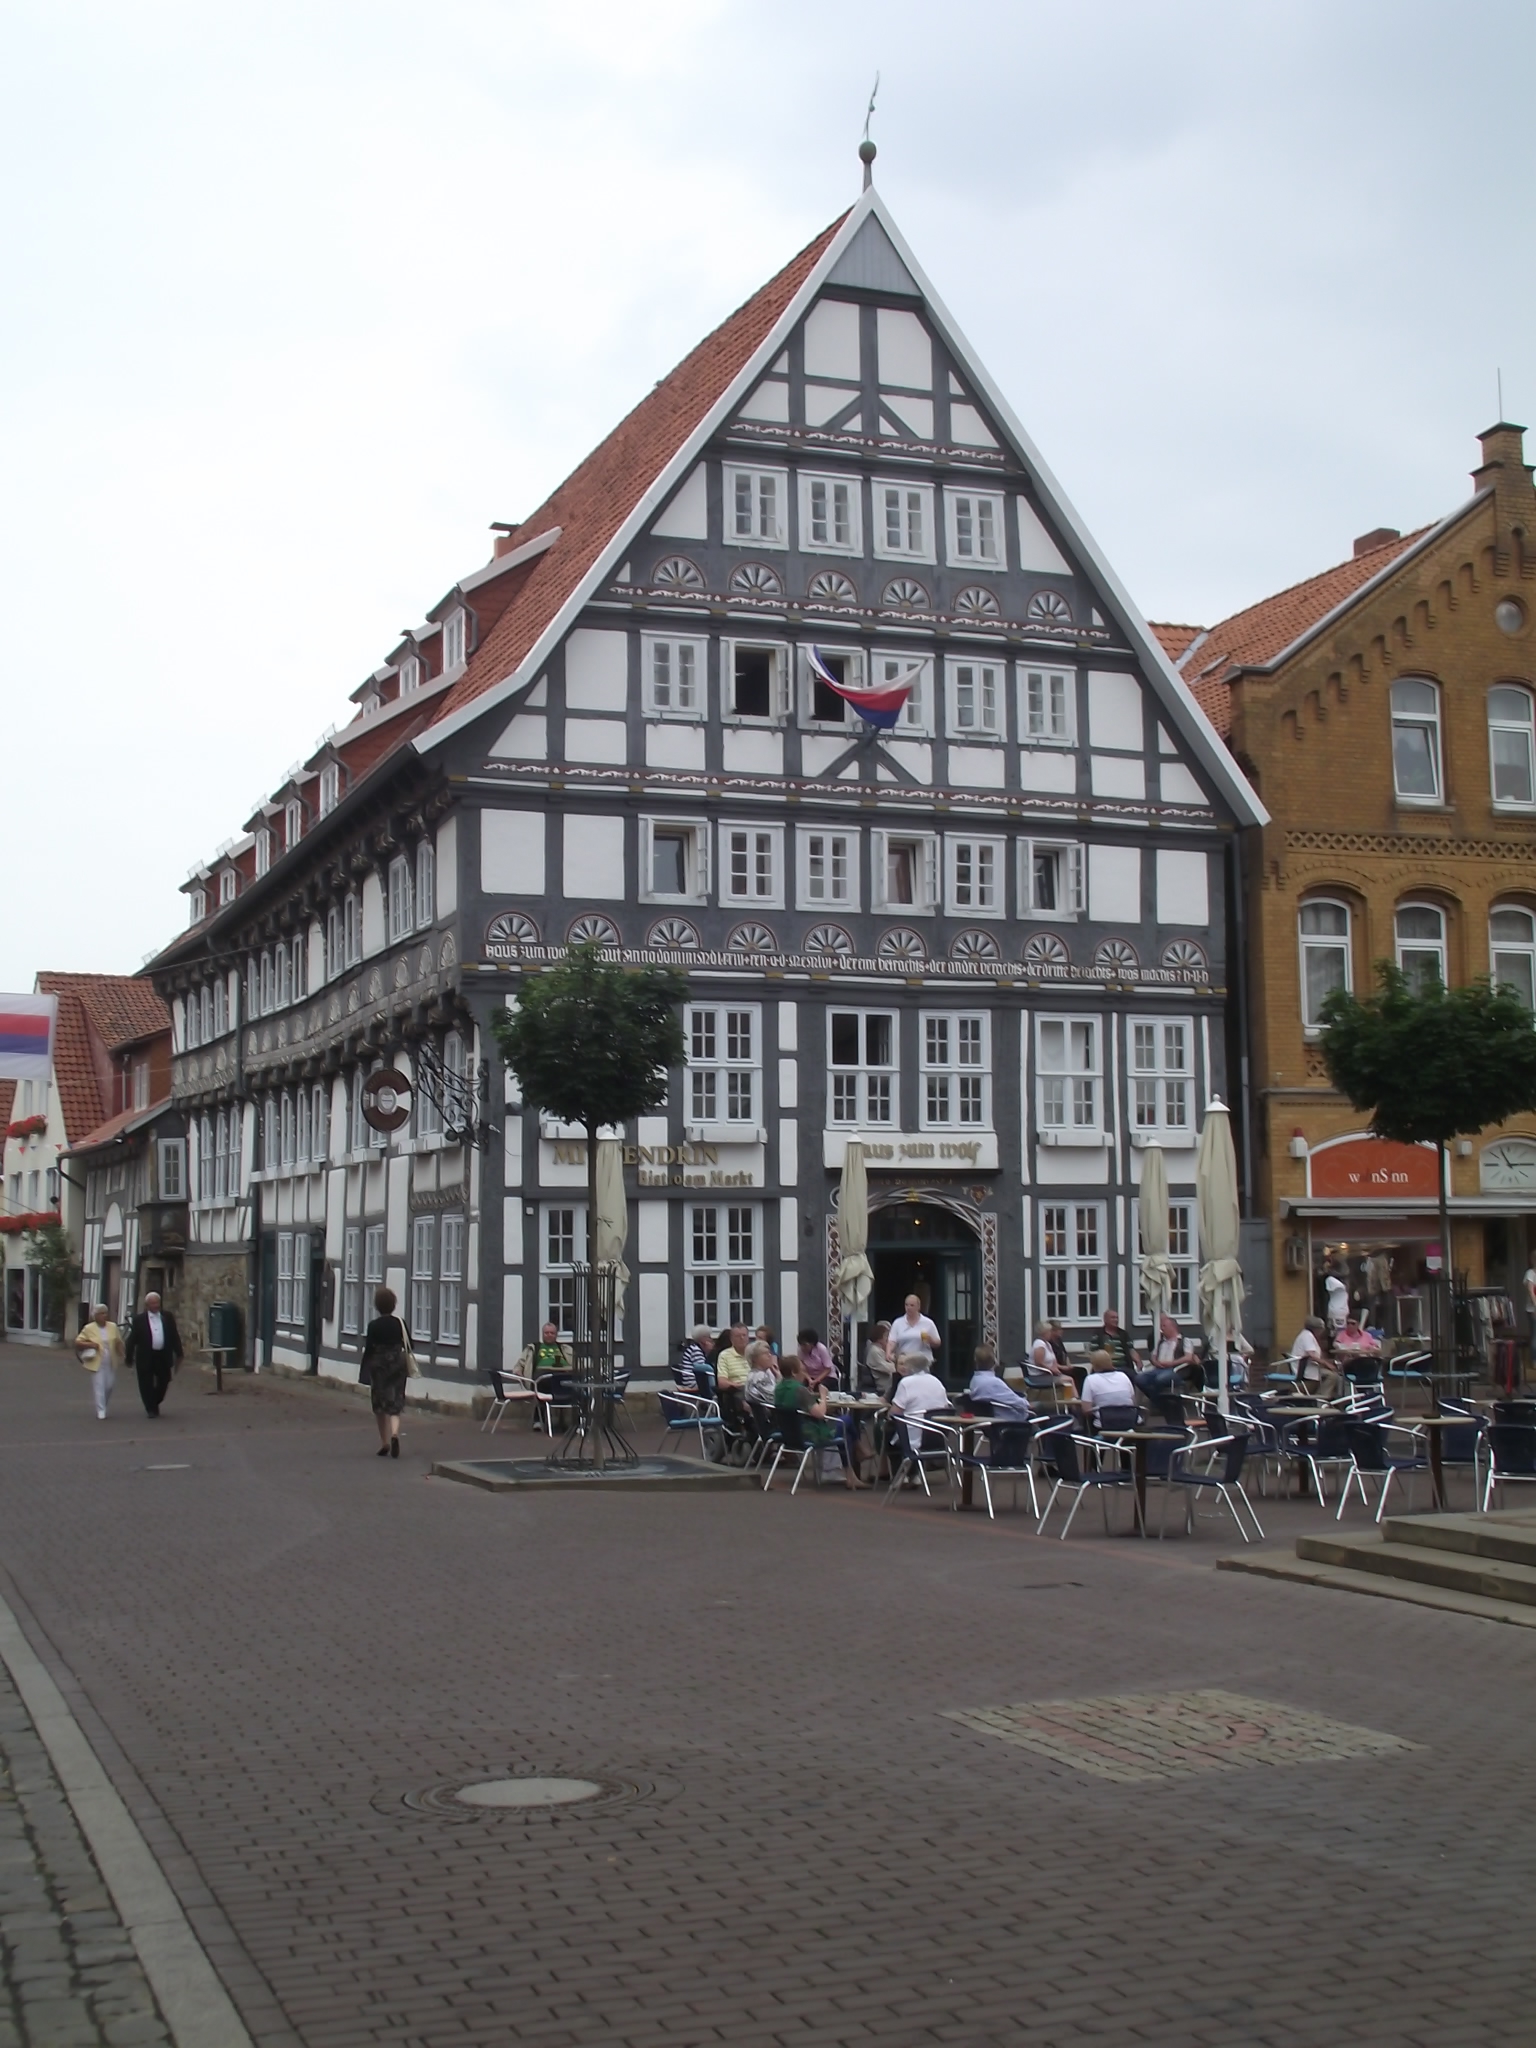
(1047, 706)
(268, 983)
(301, 1278)
(305, 1112)
(1416, 741)
(293, 824)
(205, 1023)
(423, 1246)
(1512, 951)
(1072, 1261)
(975, 691)
(352, 931)
(263, 850)
(956, 1070)
(1070, 1062)
(1323, 934)
(197, 906)
(426, 884)
(755, 679)
(1183, 1302)
(562, 1247)
(320, 1121)
(863, 1076)
(352, 1281)
(287, 1131)
(973, 876)
(230, 1145)
(376, 1140)
(333, 953)
(722, 1257)
(1050, 878)
(220, 1007)
(820, 706)
(450, 1279)
(675, 672)
(829, 516)
(282, 976)
(752, 865)
(409, 673)
(756, 501)
(724, 1077)
(373, 1256)
(904, 872)
(1511, 753)
(204, 1133)
(426, 1110)
(229, 883)
(828, 868)
(887, 668)
(455, 638)
(674, 860)
(330, 788)
(402, 899)
(903, 522)
(974, 520)
(284, 1302)
(172, 1169)
(1162, 1077)
(456, 1081)
(1419, 929)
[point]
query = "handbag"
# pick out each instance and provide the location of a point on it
(412, 1369)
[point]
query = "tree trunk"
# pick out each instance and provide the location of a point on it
(594, 1296)
(1445, 1361)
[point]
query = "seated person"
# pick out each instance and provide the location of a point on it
(1310, 1364)
(918, 1392)
(1043, 1357)
(1106, 1386)
(878, 1376)
(817, 1360)
(793, 1392)
(765, 1336)
(988, 1384)
(763, 1379)
(1354, 1342)
(731, 1370)
(1116, 1342)
(693, 1371)
(1175, 1362)
(548, 1364)
(1075, 1373)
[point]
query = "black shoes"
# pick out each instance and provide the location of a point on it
(394, 1447)
(383, 1451)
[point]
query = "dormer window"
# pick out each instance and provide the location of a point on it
(330, 788)
(453, 639)
(263, 850)
(228, 883)
(293, 824)
(410, 674)
(197, 905)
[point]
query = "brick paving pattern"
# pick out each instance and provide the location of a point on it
(291, 1647)
(1134, 1737)
(69, 1976)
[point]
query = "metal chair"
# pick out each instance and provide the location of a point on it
(682, 1412)
(1411, 1365)
(507, 1387)
(1266, 1445)
(932, 1451)
(1511, 1455)
(1467, 1449)
(1371, 1458)
(805, 1446)
(1223, 1478)
(1010, 1456)
(1063, 1462)
(1328, 1450)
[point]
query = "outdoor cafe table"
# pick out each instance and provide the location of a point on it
(1434, 1424)
(1138, 1439)
(859, 1406)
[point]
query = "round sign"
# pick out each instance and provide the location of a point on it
(386, 1099)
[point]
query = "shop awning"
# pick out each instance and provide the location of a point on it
(1513, 1203)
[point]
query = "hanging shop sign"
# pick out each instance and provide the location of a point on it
(1365, 1169)
(386, 1099)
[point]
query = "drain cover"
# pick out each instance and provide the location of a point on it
(529, 1792)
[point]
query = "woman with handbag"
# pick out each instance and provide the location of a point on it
(386, 1366)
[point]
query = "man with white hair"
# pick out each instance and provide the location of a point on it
(154, 1351)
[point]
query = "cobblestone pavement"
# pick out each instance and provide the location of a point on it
(69, 1977)
(284, 1648)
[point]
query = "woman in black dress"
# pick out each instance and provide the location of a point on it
(385, 1368)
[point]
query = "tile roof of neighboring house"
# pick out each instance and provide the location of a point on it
(1257, 635)
(1176, 641)
(7, 1101)
(119, 1126)
(120, 1009)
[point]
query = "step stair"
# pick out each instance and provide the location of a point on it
(1482, 1565)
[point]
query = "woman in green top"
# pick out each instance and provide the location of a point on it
(810, 1403)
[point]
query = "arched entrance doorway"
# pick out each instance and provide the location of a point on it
(922, 1247)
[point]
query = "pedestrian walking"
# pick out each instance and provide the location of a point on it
(387, 1364)
(154, 1351)
(99, 1348)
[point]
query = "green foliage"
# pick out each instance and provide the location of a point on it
(591, 1043)
(50, 1253)
(1430, 1065)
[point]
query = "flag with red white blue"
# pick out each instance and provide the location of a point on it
(880, 707)
(26, 1036)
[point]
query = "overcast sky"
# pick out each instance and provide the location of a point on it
(296, 299)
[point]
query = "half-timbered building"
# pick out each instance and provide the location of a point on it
(992, 943)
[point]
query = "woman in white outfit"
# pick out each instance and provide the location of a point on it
(99, 1348)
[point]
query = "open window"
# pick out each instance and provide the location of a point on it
(757, 673)
(821, 706)
(1512, 757)
(905, 872)
(1050, 878)
(674, 860)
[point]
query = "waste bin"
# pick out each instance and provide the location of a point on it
(224, 1326)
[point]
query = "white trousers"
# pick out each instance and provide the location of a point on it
(102, 1381)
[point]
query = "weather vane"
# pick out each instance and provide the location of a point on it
(866, 147)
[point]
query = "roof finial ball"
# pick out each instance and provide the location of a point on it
(867, 158)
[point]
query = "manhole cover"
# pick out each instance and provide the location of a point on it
(529, 1792)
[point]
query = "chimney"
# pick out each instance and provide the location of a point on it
(1376, 538)
(1505, 471)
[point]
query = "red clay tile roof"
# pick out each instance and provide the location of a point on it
(115, 1126)
(118, 1009)
(1251, 638)
(7, 1101)
(1175, 640)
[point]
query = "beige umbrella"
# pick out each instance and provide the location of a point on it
(1156, 1271)
(854, 1276)
(612, 1232)
(1221, 1276)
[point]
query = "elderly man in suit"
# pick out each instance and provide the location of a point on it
(154, 1351)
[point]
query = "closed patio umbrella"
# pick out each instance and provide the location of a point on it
(612, 1232)
(1156, 1272)
(1221, 1276)
(854, 1275)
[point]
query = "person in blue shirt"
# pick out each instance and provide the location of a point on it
(988, 1384)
